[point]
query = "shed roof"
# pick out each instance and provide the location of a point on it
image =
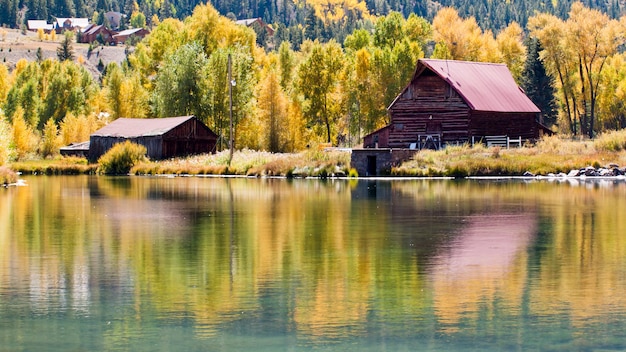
(36, 24)
(483, 86)
(132, 128)
(129, 32)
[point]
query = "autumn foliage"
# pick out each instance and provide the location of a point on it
(285, 96)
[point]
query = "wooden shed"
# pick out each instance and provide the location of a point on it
(163, 137)
(124, 35)
(455, 102)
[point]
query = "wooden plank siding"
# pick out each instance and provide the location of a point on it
(511, 124)
(191, 137)
(429, 106)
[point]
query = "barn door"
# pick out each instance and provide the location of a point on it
(371, 165)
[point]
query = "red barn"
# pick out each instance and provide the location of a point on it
(455, 102)
(451, 102)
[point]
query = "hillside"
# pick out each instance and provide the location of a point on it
(16, 46)
(321, 19)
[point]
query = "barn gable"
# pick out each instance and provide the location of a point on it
(162, 137)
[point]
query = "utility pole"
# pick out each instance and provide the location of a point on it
(231, 83)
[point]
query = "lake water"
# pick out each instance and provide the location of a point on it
(204, 264)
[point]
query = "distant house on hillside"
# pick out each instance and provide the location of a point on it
(35, 25)
(257, 24)
(162, 137)
(452, 102)
(70, 24)
(124, 35)
(96, 32)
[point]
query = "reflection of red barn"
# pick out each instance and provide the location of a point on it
(163, 137)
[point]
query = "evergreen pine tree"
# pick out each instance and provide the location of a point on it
(65, 50)
(538, 85)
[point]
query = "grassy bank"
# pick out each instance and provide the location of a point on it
(252, 163)
(550, 155)
(57, 166)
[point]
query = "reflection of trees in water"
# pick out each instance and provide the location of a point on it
(334, 257)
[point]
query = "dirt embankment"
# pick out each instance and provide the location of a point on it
(14, 45)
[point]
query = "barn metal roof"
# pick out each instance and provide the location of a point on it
(483, 86)
(132, 128)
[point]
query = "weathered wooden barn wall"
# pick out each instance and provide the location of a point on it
(192, 137)
(379, 137)
(99, 145)
(429, 106)
(512, 124)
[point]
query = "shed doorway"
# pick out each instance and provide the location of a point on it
(371, 165)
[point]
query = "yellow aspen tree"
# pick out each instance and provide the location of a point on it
(511, 50)
(560, 63)
(134, 97)
(24, 138)
(457, 38)
(5, 141)
(446, 33)
(272, 107)
(50, 141)
(5, 83)
(612, 98)
(594, 38)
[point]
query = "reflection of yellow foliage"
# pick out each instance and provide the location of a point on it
(256, 235)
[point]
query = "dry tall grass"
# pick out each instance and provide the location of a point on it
(549, 155)
(252, 163)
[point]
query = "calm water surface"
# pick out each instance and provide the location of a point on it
(202, 264)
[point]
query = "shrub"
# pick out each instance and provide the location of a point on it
(7, 176)
(121, 158)
(612, 141)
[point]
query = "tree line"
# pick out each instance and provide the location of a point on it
(287, 98)
(328, 19)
